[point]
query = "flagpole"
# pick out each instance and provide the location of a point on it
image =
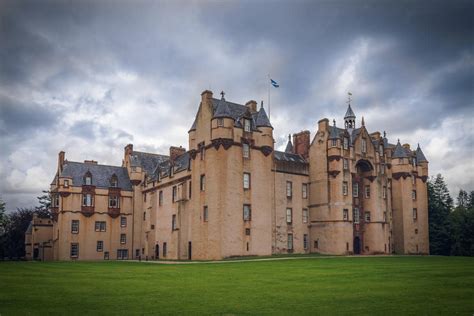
(269, 88)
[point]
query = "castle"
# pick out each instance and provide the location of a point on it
(342, 191)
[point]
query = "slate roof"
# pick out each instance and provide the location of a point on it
(181, 163)
(147, 161)
(420, 157)
(101, 174)
(282, 156)
(335, 132)
(399, 151)
(222, 109)
(262, 119)
(349, 113)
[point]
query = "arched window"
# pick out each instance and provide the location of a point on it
(88, 178)
(114, 181)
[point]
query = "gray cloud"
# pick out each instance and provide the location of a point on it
(88, 77)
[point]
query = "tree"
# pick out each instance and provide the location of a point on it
(3, 216)
(461, 222)
(440, 205)
(43, 209)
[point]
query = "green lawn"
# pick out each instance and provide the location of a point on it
(365, 285)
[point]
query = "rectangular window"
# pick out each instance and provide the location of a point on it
(87, 199)
(247, 212)
(220, 122)
(364, 145)
(100, 246)
(74, 250)
(123, 238)
(367, 191)
(413, 179)
(367, 217)
(190, 189)
(346, 143)
(305, 242)
(413, 195)
(247, 231)
(203, 182)
(385, 217)
(173, 222)
(144, 215)
(305, 215)
(355, 189)
(290, 242)
(345, 214)
(334, 142)
(160, 198)
(304, 189)
(415, 214)
(380, 150)
(384, 192)
(247, 125)
(165, 249)
(345, 188)
(66, 183)
(382, 169)
(75, 226)
(205, 214)
(123, 221)
(100, 226)
(114, 201)
(289, 215)
(246, 150)
(345, 164)
(174, 194)
(246, 180)
(356, 215)
(289, 189)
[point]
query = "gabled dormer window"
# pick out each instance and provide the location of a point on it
(247, 125)
(114, 181)
(88, 178)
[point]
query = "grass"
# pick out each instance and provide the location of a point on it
(364, 285)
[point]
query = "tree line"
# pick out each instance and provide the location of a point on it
(451, 227)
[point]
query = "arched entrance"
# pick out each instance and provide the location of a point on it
(356, 245)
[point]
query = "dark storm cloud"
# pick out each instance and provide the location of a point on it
(100, 74)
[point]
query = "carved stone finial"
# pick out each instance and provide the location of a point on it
(222, 94)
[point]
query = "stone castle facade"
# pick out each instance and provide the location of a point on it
(342, 191)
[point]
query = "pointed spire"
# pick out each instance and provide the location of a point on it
(349, 118)
(289, 145)
(420, 156)
(363, 122)
(262, 119)
(399, 151)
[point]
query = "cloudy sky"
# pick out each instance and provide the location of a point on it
(89, 77)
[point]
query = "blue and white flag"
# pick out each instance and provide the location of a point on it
(274, 83)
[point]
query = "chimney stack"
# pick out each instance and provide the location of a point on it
(301, 142)
(406, 146)
(206, 95)
(92, 162)
(252, 105)
(176, 151)
(61, 160)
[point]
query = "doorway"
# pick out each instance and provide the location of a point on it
(190, 250)
(157, 251)
(356, 245)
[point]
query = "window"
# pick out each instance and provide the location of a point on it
(246, 150)
(203, 182)
(290, 241)
(114, 181)
(333, 142)
(152, 227)
(202, 150)
(289, 189)
(364, 145)
(346, 143)
(165, 250)
(415, 214)
(414, 162)
(344, 188)
(416, 232)
(122, 254)
(247, 212)
(367, 191)
(413, 195)
(100, 246)
(246, 125)
(413, 180)
(144, 215)
(345, 214)
(144, 196)
(88, 179)
(367, 217)
(247, 232)
(160, 198)
(114, 201)
(305, 215)
(55, 200)
(174, 194)
(106, 255)
(246, 180)
(74, 250)
(384, 192)
(316, 244)
(190, 189)
(100, 226)
(305, 241)
(123, 221)
(345, 164)
(380, 150)
(123, 238)
(356, 215)
(355, 189)
(304, 189)
(173, 222)
(220, 122)
(205, 214)
(87, 199)
(66, 183)
(75, 226)
(289, 215)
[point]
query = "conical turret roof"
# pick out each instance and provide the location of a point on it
(289, 146)
(349, 112)
(399, 151)
(262, 119)
(420, 157)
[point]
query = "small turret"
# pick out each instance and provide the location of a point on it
(349, 118)
(420, 157)
(399, 151)
(289, 145)
(262, 118)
